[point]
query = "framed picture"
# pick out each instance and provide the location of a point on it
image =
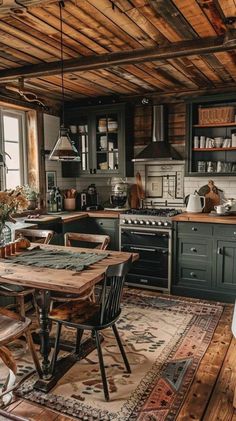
(51, 180)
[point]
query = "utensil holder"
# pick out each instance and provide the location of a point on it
(69, 204)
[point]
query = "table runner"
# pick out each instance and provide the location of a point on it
(58, 259)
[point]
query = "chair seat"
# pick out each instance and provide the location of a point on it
(78, 312)
(11, 328)
(9, 290)
(63, 296)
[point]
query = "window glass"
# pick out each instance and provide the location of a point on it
(12, 179)
(11, 128)
(13, 150)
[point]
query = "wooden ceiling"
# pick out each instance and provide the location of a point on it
(117, 47)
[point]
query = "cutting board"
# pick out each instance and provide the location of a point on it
(211, 194)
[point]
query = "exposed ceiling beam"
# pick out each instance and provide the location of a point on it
(199, 46)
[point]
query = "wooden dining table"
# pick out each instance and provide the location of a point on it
(44, 280)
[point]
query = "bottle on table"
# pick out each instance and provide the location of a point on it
(52, 200)
(59, 200)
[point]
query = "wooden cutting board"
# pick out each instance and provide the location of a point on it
(211, 194)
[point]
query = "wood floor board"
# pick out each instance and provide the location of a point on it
(210, 396)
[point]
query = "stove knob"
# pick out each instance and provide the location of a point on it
(160, 223)
(153, 222)
(141, 222)
(135, 221)
(166, 223)
(147, 222)
(124, 221)
(129, 221)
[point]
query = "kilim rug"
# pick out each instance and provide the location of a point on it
(165, 339)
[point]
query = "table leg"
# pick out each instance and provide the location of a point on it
(43, 302)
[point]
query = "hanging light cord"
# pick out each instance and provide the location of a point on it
(61, 5)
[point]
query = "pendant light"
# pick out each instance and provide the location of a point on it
(64, 148)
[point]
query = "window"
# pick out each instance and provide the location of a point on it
(13, 147)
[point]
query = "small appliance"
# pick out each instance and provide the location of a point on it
(119, 195)
(195, 203)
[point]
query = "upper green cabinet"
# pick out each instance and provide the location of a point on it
(212, 136)
(103, 136)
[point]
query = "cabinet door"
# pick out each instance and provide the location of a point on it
(109, 226)
(107, 150)
(225, 265)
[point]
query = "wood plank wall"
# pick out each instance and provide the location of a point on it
(176, 126)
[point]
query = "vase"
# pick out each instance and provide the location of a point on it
(5, 234)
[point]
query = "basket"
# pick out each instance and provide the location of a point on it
(216, 115)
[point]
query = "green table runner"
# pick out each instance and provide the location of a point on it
(58, 259)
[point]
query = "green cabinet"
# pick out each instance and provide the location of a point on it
(93, 225)
(103, 136)
(205, 261)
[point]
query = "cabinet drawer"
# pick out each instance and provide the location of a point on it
(107, 222)
(199, 248)
(225, 230)
(194, 275)
(194, 228)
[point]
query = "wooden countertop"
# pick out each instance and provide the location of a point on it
(65, 217)
(204, 217)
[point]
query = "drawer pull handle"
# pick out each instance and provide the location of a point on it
(193, 249)
(194, 229)
(234, 232)
(193, 274)
(219, 250)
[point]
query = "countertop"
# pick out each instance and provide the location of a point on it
(65, 217)
(204, 217)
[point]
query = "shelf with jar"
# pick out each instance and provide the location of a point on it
(101, 136)
(212, 136)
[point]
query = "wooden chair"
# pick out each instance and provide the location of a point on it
(73, 239)
(12, 327)
(99, 241)
(87, 315)
(19, 293)
(233, 328)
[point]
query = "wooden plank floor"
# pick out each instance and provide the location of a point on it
(210, 397)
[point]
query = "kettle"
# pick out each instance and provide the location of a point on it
(195, 203)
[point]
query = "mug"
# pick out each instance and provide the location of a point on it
(202, 141)
(220, 209)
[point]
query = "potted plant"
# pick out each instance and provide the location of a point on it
(32, 196)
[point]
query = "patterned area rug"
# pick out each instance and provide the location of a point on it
(165, 340)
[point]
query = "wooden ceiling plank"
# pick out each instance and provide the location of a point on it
(176, 71)
(229, 8)
(117, 79)
(90, 27)
(51, 13)
(23, 23)
(150, 75)
(104, 21)
(203, 25)
(131, 78)
(80, 85)
(30, 39)
(21, 56)
(149, 12)
(105, 6)
(110, 81)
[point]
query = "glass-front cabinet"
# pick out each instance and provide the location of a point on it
(212, 136)
(104, 140)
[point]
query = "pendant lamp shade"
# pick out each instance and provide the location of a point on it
(64, 148)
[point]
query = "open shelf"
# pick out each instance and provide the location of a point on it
(214, 149)
(216, 125)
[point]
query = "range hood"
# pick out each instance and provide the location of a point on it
(159, 148)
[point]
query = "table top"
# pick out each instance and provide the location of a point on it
(61, 279)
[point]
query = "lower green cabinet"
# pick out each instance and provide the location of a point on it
(225, 266)
(93, 225)
(205, 261)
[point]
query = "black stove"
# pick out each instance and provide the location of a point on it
(149, 217)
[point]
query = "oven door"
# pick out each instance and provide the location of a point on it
(153, 269)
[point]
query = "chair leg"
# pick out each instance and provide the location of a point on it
(79, 335)
(102, 368)
(21, 305)
(33, 352)
(56, 347)
(116, 333)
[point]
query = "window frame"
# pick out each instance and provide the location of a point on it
(23, 163)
